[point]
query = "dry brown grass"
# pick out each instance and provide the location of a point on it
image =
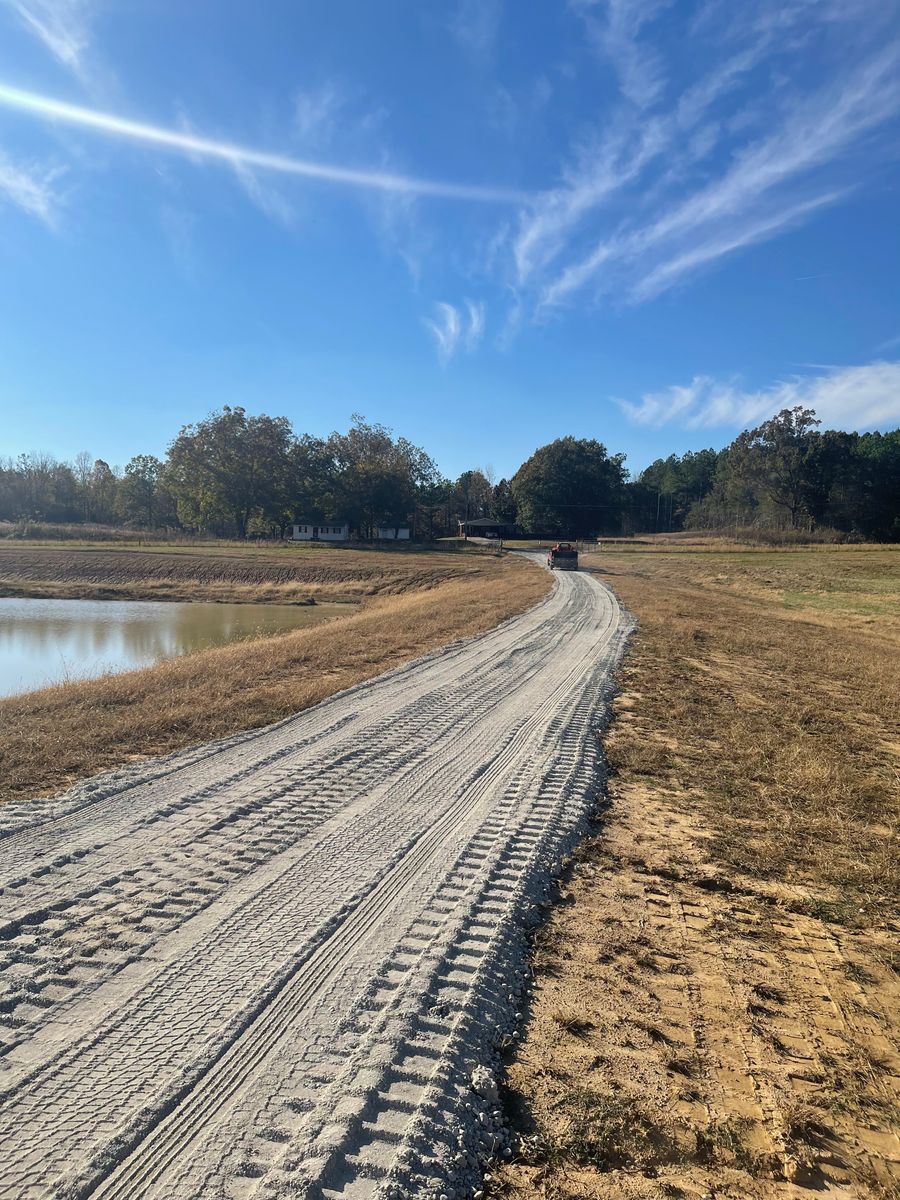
(731, 948)
(62, 734)
(782, 718)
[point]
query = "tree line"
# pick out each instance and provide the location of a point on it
(786, 474)
(239, 475)
(235, 474)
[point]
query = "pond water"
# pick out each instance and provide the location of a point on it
(48, 641)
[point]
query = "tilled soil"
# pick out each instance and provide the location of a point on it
(272, 967)
(31, 570)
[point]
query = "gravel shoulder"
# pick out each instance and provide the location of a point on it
(275, 966)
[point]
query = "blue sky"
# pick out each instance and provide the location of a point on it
(484, 223)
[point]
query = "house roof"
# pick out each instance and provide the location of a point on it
(484, 521)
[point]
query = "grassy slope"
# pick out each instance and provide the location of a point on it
(57, 736)
(717, 1007)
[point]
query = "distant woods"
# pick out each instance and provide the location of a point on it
(239, 475)
(785, 475)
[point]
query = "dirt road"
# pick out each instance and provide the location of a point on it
(270, 967)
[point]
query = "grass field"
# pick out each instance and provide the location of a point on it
(717, 1005)
(412, 603)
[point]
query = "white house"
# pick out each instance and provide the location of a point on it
(392, 535)
(312, 531)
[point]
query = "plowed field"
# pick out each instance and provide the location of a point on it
(286, 574)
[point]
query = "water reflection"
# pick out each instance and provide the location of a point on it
(45, 641)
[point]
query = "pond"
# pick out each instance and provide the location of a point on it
(49, 641)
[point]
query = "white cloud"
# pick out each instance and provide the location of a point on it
(710, 249)
(617, 34)
(48, 109)
(866, 397)
(31, 189)
(754, 199)
(654, 195)
(475, 328)
(446, 328)
(454, 330)
(64, 27)
(603, 168)
(814, 132)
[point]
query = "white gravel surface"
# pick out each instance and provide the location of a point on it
(284, 964)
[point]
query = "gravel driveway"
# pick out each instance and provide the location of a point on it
(279, 965)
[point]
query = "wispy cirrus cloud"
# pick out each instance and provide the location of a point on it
(110, 124)
(720, 243)
(727, 213)
(862, 397)
(746, 148)
(455, 329)
(32, 189)
(64, 27)
(475, 326)
(616, 28)
(446, 329)
(603, 167)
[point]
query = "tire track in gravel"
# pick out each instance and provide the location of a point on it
(256, 805)
(221, 1082)
(307, 910)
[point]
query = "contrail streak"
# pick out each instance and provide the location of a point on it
(56, 110)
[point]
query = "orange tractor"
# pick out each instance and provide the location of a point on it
(563, 557)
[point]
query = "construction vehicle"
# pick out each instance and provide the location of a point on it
(563, 557)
